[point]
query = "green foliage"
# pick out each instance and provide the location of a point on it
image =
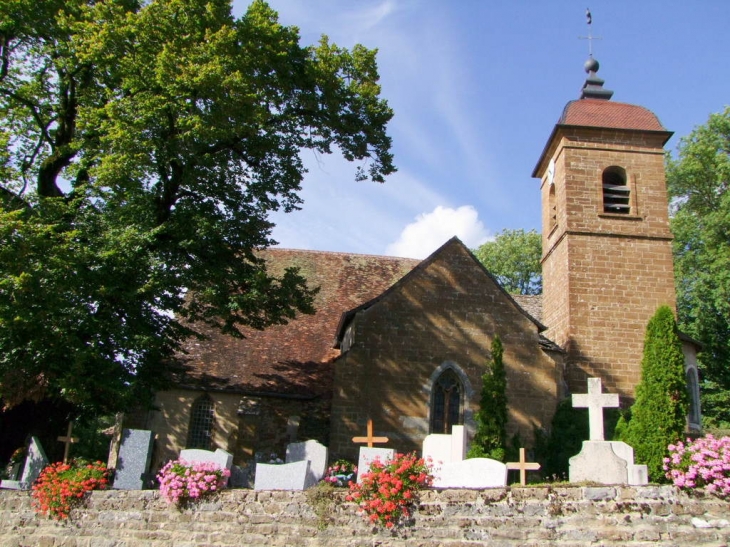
(142, 147)
(513, 257)
(490, 439)
(698, 181)
(658, 417)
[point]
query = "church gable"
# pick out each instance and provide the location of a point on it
(431, 330)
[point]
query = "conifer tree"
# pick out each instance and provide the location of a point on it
(490, 439)
(659, 413)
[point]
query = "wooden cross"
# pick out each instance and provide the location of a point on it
(595, 402)
(370, 439)
(523, 466)
(67, 440)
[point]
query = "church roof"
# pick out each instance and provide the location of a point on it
(608, 114)
(292, 359)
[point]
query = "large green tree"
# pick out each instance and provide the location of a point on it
(142, 146)
(698, 181)
(659, 414)
(513, 257)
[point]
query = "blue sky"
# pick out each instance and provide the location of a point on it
(477, 86)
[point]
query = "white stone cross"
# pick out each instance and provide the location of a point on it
(595, 402)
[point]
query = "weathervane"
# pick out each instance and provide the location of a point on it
(590, 37)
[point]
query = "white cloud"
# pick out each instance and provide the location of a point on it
(431, 230)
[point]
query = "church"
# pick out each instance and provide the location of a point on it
(404, 343)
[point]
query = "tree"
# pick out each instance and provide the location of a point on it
(659, 414)
(513, 257)
(698, 181)
(490, 439)
(142, 146)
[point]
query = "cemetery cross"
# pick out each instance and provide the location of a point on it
(67, 441)
(523, 466)
(595, 402)
(370, 440)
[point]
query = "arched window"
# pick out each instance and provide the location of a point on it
(695, 417)
(552, 205)
(202, 418)
(446, 402)
(616, 193)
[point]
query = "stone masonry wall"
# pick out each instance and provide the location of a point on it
(501, 517)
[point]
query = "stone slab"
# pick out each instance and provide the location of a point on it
(638, 475)
(133, 460)
(471, 473)
(285, 476)
(313, 452)
(220, 457)
(597, 462)
(35, 462)
(443, 449)
(369, 455)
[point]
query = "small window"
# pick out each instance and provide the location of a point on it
(553, 208)
(616, 192)
(202, 417)
(446, 402)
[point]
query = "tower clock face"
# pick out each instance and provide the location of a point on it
(551, 171)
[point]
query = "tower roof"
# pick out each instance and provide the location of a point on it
(612, 115)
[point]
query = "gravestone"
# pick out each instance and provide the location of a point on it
(313, 452)
(306, 465)
(604, 462)
(443, 449)
(221, 458)
(369, 455)
(35, 462)
(471, 473)
(133, 459)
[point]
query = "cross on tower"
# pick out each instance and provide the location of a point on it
(523, 466)
(595, 402)
(590, 37)
(370, 439)
(67, 440)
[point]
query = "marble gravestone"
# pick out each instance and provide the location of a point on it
(133, 460)
(35, 461)
(306, 464)
(370, 454)
(443, 449)
(601, 461)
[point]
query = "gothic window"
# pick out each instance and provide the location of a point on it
(446, 402)
(616, 192)
(202, 417)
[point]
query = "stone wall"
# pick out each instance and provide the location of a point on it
(565, 516)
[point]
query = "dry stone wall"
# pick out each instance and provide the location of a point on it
(501, 517)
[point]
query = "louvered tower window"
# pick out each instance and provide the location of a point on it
(202, 417)
(447, 401)
(615, 191)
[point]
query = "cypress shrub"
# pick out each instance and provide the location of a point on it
(658, 415)
(490, 439)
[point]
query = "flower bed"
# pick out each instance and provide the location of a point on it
(388, 492)
(181, 481)
(703, 463)
(61, 485)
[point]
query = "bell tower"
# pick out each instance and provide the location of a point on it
(607, 257)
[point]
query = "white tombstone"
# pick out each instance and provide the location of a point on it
(442, 449)
(221, 458)
(306, 465)
(472, 473)
(368, 455)
(604, 462)
(35, 462)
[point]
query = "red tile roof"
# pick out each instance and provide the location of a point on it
(293, 359)
(602, 113)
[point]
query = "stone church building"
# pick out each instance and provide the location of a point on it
(405, 342)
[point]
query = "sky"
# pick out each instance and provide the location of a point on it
(477, 86)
